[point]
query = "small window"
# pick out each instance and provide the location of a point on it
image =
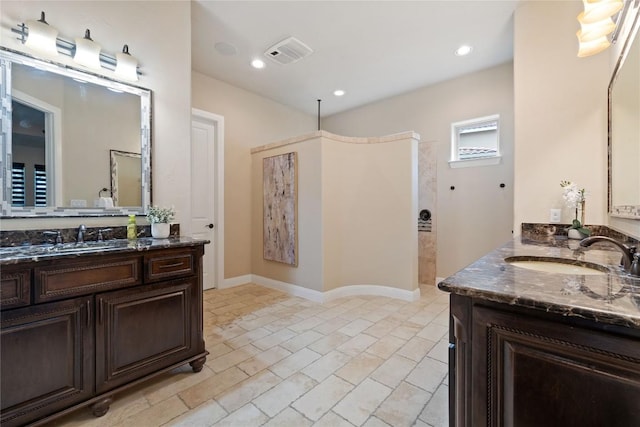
(40, 187)
(18, 178)
(475, 142)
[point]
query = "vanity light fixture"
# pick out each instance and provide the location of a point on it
(42, 36)
(87, 52)
(597, 10)
(596, 24)
(126, 65)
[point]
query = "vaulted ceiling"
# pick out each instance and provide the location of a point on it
(370, 49)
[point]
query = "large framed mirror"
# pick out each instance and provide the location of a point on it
(624, 130)
(60, 128)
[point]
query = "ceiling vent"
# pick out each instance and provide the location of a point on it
(288, 51)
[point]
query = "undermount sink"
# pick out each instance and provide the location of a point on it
(557, 265)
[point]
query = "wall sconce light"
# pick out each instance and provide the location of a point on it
(42, 36)
(126, 65)
(87, 52)
(596, 24)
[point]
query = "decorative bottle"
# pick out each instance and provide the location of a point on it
(131, 228)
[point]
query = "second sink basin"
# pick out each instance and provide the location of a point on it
(557, 265)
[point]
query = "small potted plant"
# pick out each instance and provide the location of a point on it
(576, 199)
(160, 218)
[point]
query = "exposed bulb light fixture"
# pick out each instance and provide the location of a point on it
(87, 52)
(463, 50)
(257, 63)
(339, 92)
(126, 65)
(42, 36)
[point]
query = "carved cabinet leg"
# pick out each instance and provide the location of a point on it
(198, 364)
(101, 407)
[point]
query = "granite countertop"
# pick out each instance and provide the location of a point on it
(612, 298)
(19, 254)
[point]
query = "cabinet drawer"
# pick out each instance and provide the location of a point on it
(54, 282)
(169, 265)
(15, 290)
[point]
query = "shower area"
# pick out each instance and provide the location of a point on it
(427, 190)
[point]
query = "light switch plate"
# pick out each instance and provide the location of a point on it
(555, 216)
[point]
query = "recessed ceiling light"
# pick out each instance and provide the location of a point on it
(463, 50)
(339, 92)
(257, 63)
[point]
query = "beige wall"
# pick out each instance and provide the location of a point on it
(477, 216)
(164, 52)
(250, 121)
(561, 114)
(356, 204)
(369, 205)
(309, 271)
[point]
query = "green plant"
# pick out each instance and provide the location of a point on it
(157, 214)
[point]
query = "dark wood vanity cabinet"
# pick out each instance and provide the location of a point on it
(47, 359)
(85, 335)
(521, 367)
(159, 315)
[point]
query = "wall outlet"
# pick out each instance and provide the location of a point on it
(78, 203)
(555, 216)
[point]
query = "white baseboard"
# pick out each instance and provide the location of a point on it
(377, 290)
(235, 281)
(317, 296)
(288, 288)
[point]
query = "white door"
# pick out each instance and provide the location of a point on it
(203, 193)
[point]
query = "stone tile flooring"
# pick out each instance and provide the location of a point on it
(278, 360)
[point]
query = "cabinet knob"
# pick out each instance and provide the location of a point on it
(209, 225)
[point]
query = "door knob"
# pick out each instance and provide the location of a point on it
(209, 225)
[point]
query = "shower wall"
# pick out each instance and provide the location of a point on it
(427, 191)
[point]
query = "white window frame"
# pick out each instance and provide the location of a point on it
(457, 127)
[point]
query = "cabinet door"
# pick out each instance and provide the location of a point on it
(144, 329)
(532, 372)
(46, 357)
(15, 287)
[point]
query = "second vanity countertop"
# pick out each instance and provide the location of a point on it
(19, 254)
(612, 298)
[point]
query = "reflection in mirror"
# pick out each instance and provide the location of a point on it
(64, 124)
(125, 178)
(624, 131)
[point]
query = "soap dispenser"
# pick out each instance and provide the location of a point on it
(132, 233)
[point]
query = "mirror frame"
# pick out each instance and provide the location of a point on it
(7, 58)
(113, 166)
(619, 211)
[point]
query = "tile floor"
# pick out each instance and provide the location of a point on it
(284, 361)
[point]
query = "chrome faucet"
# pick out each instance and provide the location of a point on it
(58, 235)
(81, 230)
(627, 251)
